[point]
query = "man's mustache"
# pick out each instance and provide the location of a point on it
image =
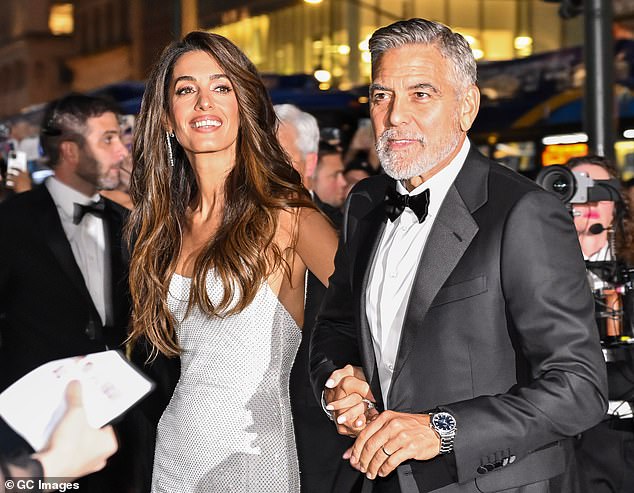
(393, 134)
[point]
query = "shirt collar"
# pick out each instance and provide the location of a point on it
(65, 197)
(604, 254)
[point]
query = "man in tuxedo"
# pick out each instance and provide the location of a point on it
(456, 340)
(319, 447)
(63, 272)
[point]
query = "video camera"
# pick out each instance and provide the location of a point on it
(611, 282)
(576, 187)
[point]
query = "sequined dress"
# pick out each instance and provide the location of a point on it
(228, 426)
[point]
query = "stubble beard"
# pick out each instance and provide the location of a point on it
(415, 160)
(90, 171)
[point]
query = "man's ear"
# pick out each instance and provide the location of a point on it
(69, 152)
(311, 164)
(469, 106)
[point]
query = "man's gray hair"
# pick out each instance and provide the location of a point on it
(452, 46)
(304, 123)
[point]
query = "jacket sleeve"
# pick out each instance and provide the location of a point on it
(333, 342)
(550, 308)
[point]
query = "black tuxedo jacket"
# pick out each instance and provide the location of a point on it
(46, 311)
(499, 328)
(319, 446)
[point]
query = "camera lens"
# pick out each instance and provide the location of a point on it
(558, 180)
(560, 186)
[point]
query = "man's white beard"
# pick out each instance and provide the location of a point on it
(408, 163)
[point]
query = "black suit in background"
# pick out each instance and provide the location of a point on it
(499, 332)
(319, 446)
(46, 310)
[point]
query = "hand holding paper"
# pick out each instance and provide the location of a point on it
(33, 405)
(75, 448)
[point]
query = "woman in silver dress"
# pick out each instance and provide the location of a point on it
(224, 233)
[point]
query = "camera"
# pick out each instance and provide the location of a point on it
(576, 187)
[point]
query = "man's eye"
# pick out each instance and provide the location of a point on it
(379, 96)
(421, 95)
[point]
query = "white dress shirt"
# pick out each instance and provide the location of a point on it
(394, 268)
(87, 240)
(603, 255)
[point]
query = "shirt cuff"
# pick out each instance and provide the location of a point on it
(323, 406)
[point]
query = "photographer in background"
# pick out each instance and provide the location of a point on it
(606, 234)
(614, 217)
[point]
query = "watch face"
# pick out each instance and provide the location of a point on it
(444, 422)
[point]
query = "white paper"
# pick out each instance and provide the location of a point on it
(34, 404)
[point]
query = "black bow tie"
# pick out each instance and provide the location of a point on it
(97, 208)
(395, 204)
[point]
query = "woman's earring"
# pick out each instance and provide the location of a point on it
(170, 153)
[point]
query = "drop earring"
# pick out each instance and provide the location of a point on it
(170, 153)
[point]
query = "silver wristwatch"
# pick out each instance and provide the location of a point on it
(444, 424)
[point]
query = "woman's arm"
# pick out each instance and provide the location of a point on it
(316, 243)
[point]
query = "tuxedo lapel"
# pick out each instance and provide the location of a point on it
(373, 226)
(55, 238)
(114, 230)
(449, 238)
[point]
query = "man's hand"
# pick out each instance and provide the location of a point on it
(391, 439)
(75, 448)
(348, 395)
(18, 181)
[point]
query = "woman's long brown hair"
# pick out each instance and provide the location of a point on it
(262, 182)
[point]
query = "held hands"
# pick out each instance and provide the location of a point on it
(75, 448)
(390, 439)
(348, 395)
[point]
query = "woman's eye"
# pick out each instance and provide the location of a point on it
(184, 90)
(222, 89)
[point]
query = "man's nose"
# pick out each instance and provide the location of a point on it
(399, 112)
(122, 151)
